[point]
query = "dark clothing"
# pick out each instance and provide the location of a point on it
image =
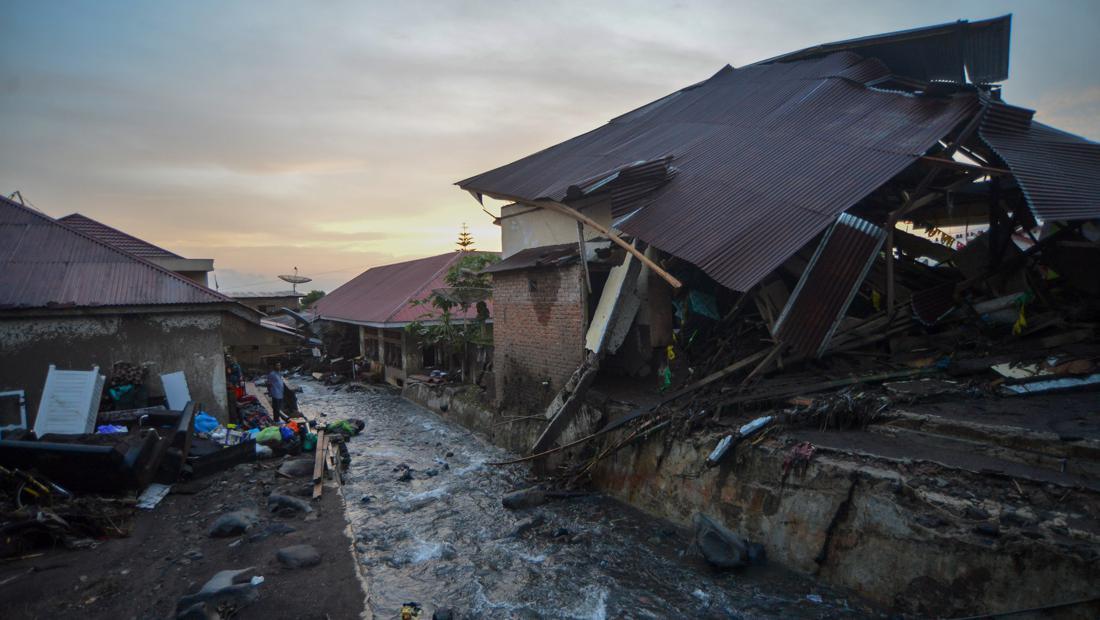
(276, 407)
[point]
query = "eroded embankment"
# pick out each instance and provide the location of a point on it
(908, 524)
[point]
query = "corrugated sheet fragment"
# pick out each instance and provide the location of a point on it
(1058, 172)
(828, 285)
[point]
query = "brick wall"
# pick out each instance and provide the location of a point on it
(538, 334)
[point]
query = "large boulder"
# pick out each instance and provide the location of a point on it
(234, 523)
(721, 547)
(298, 556)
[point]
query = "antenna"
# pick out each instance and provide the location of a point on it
(295, 279)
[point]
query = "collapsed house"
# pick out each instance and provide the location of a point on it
(842, 300)
(373, 311)
(71, 300)
(791, 193)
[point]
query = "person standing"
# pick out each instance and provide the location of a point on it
(275, 389)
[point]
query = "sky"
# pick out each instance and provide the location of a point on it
(328, 136)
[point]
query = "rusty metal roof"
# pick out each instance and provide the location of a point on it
(384, 295)
(543, 256)
(828, 285)
(46, 264)
(115, 237)
(1058, 172)
(952, 52)
(765, 158)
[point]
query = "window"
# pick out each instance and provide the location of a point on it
(394, 358)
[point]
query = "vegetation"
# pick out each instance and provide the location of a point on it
(311, 298)
(465, 240)
(467, 288)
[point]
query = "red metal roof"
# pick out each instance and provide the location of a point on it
(44, 263)
(115, 237)
(765, 158)
(383, 295)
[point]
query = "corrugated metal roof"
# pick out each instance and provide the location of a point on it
(264, 294)
(382, 295)
(828, 285)
(115, 237)
(1058, 172)
(44, 263)
(766, 157)
(544, 256)
(949, 52)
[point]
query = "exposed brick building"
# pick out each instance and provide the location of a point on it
(540, 322)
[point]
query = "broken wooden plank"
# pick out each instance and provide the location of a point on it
(319, 463)
(567, 402)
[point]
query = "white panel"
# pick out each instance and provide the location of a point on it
(175, 390)
(70, 402)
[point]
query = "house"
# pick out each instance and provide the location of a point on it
(378, 305)
(70, 299)
(195, 269)
(269, 302)
(789, 183)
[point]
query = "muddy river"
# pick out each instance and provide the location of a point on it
(439, 536)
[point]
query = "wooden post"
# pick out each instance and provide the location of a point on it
(584, 252)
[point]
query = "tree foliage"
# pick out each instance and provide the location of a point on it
(467, 288)
(465, 240)
(311, 298)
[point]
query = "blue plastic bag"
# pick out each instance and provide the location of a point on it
(204, 422)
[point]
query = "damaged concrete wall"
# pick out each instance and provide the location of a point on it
(161, 343)
(538, 334)
(525, 227)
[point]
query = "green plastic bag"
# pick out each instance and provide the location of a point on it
(269, 436)
(310, 442)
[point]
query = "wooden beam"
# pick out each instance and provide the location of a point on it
(319, 463)
(616, 239)
(584, 252)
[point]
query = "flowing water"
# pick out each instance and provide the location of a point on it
(439, 536)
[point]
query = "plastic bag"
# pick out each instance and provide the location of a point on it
(269, 436)
(204, 422)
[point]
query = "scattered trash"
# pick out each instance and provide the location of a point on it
(152, 495)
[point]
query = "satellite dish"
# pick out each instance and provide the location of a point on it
(295, 279)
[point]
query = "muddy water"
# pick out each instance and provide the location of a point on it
(440, 536)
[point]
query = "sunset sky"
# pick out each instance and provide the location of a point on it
(328, 135)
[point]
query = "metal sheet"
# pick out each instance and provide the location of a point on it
(1058, 172)
(828, 285)
(44, 263)
(115, 237)
(765, 158)
(384, 294)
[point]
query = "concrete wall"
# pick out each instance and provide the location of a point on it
(161, 343)
(538, 334)
(524, 227)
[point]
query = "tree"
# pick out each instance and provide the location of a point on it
(311, 298)
(468, 287)
(465, 240)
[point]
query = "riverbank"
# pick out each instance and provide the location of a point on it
(169, 554)
(978, 507)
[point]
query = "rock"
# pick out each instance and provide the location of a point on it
(234, 523)
(405, 476)
(431, 473)
(287, 505)
(449, 454)
(299, 556)
(193, 554)
(227, 588)
(721, 547)
(525, 498)
(297, 468)
(443, 613)
(526, 525)
(931, 521)
(274, 528)
(976, 513)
